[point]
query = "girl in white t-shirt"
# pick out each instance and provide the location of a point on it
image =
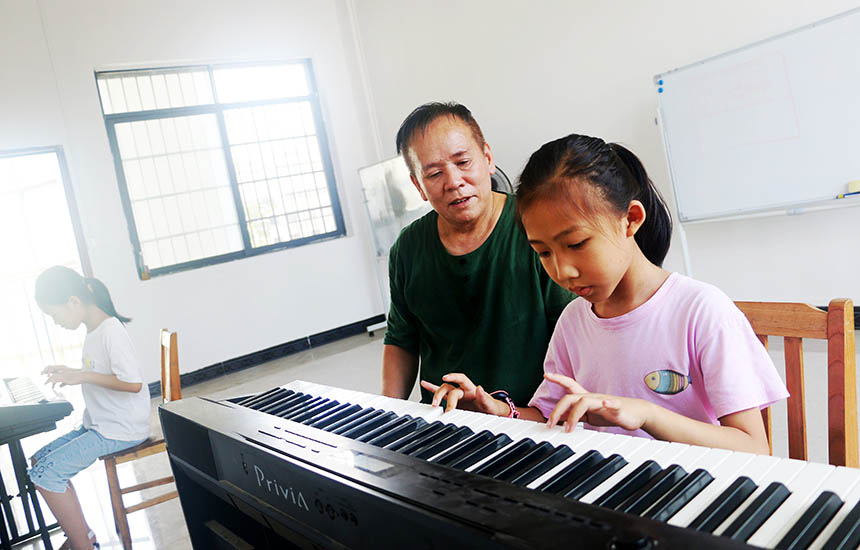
(643, 351)
(116, 398)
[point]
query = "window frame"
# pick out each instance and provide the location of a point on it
(218, 109)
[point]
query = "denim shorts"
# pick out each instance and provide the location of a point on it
(58, 461)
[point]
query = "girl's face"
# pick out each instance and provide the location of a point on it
(69, 315)
(588, 255)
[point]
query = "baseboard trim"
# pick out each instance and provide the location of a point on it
(275, 352)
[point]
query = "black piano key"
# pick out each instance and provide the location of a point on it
(811, 523)
(498, 442)
(320, 416)
(556, 457)
(370, 424)
(722, 507)
(847, 535)
(530, 459)
(335, 416)
(616, 494)
(682, 493)
(433, 449)
(392, 424)
(282, 404)
(358, 422)
(649, 493)
(757, 512)
(578, 468)
(313, 411)
(359, 414)
(419, 443)
(605, 469)
(393, 435)
(286, 400)
(426, 431)
(286, 412)
(452, 455)
(253, 401)
(506, 458)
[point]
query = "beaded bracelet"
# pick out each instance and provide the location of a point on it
(502, 395)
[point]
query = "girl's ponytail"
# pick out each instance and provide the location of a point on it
(655, 235)
(57, 284)
(101, 298)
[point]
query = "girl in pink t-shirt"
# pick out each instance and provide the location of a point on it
(645, 351)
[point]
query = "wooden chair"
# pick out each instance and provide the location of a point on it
(170, 391)
(794, 322)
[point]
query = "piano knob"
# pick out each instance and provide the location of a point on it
(640, 543)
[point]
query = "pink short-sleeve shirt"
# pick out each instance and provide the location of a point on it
(688, 349)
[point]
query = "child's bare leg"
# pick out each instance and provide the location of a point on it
(67, 509)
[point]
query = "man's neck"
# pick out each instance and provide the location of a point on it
(462, 239)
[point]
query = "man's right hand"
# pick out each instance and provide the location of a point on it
(457, 389)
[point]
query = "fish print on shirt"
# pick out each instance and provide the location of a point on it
(667, 382)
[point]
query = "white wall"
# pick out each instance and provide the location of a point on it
(535, 71)
(48, 97)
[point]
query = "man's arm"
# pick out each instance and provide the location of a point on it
(399, 370)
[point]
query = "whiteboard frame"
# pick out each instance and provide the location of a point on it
(788, 208)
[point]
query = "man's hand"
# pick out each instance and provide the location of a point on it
(595, 408)
(457, 389)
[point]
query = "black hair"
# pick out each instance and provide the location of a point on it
(57, 284)
(420, 118)
(615, 174)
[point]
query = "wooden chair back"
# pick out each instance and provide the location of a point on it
(794, 322)
(170, 387)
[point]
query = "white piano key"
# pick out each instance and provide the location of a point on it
(851, 498)
(784, 470)
(811, 482)
(660, 452)
(804, 489)
(724, 474)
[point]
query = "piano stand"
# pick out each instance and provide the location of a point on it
(9, 534)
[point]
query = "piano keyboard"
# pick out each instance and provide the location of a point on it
(760, 500)
(20, 390)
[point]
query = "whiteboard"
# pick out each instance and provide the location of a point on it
(773, 125)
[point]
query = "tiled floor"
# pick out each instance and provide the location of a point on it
(352, 363)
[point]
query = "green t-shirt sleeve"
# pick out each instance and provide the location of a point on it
(402, 329)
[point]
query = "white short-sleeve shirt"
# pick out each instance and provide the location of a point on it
(114, 414)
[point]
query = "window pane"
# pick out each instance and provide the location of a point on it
(133, 91)
(235, 84)
(188, 158)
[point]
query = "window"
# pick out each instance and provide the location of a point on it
(219, 162)
(36, 214)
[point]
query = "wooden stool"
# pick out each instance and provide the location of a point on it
(120, 510)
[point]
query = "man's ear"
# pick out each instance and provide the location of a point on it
(488, 153)
(635, 217)
(417, 185)
(73, 302)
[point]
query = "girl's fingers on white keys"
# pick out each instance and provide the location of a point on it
(560, 409)
(453, 397)
(440, 394)
(579, 410)
(566, 382)
(461, 380)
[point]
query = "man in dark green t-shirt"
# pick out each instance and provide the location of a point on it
(468, 294)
